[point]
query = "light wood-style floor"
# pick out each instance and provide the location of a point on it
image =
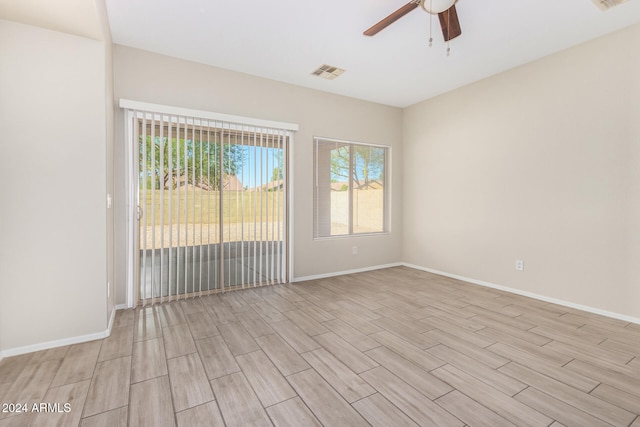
(394, 347)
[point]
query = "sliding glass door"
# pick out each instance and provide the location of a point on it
(212, 205)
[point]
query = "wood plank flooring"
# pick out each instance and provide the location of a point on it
(393, 347)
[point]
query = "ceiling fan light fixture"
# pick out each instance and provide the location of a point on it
(607, 4)
(435, 7)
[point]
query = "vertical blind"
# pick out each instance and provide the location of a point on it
(212, 204)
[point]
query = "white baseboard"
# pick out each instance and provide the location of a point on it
(53, 344)
(65, 341)
(586, 308)
(100, 335)
(112, 318)
(342, 273)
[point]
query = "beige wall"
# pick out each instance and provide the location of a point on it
(148, 77)
(540, 163)
(53, 248)
(101, 11)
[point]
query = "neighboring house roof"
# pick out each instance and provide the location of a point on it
(232, 183)
(339, 186)
(269, 186)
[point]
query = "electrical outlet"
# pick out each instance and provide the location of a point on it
(354, 250)
(519, 265)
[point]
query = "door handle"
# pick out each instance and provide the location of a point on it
(139, 212)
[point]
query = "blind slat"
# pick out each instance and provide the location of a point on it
(204, 230)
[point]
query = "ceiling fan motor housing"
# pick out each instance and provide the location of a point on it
(435, 7)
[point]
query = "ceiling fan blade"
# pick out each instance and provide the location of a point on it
(390, 19)
(449, 23)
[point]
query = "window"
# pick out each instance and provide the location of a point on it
(350, 188)
(212, 193)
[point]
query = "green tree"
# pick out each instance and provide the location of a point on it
(277, 173)
(340, 164)
(179, 161)
(368, 165)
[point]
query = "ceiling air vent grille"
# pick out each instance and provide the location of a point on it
(328, 72)
(607, 4)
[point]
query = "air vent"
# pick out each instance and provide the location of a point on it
(328, 72)
(607, 4)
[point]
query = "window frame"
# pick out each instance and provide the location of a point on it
(387, 176)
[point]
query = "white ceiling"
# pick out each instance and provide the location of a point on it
(286, 39)
(77, 17)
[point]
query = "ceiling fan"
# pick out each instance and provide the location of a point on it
(445, 9)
